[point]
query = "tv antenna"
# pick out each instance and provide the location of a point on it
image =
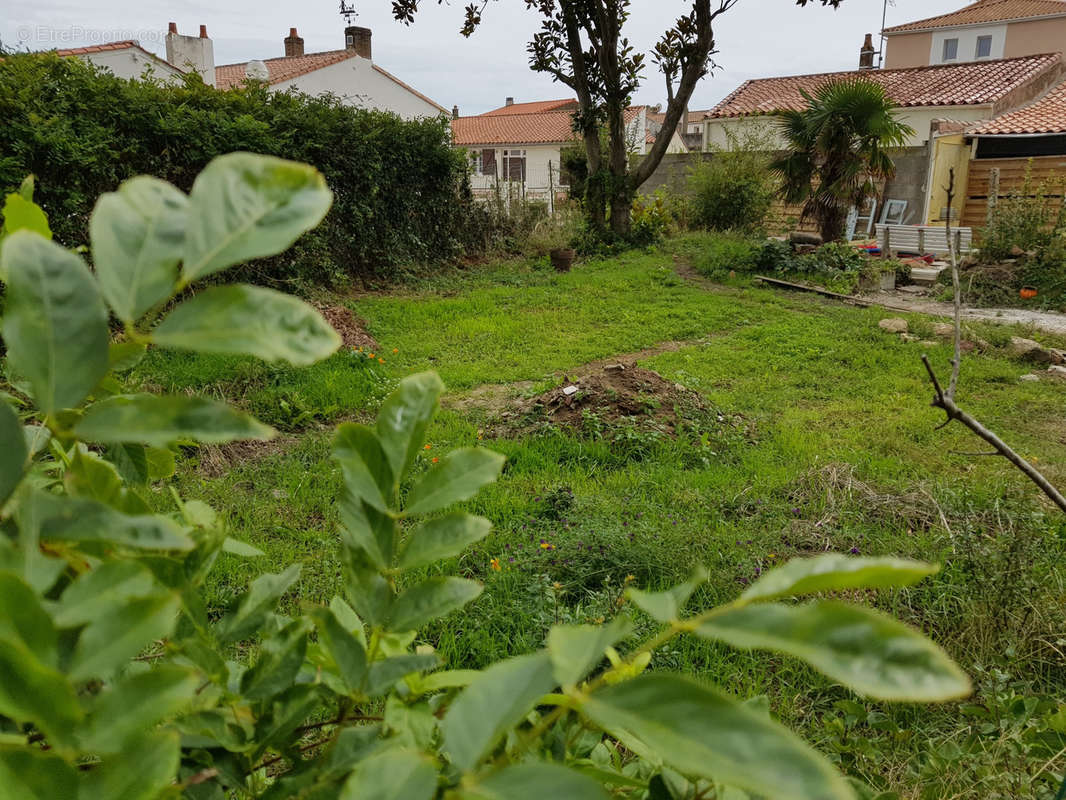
(348, 11)
(884, 21)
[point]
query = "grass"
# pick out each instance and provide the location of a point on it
(838, 449)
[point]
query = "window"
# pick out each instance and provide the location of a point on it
(476, 162)
(486, 162)
(514, 165)
(984, 46)
(951, 49)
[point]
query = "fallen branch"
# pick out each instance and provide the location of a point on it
(945, 400)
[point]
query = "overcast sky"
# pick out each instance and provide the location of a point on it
(758, 38)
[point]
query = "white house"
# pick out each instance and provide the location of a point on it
(350, 74)
(519, 145)
(126, 59)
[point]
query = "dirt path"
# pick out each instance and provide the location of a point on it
(1048, 321)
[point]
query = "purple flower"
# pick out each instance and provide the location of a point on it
(854, 551)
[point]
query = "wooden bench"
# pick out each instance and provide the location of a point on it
(922, 239)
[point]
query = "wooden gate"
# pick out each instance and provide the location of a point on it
(1047, 176)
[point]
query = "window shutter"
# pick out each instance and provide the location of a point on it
(488, 162)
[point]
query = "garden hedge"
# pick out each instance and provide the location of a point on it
(400, 188)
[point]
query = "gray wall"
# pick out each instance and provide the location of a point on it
(912, 171)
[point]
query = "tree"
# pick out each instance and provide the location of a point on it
(838, 150)
(581, 44)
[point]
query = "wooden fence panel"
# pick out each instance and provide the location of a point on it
(1048, 174)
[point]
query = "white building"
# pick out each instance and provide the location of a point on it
(126, 59)
(350, 74)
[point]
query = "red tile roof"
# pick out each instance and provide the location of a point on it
(281, 69)
(1046, 115)
(986, 11)
(286, 68)
(551, 127)
(537, 107)
(977, 83)
(125, 44)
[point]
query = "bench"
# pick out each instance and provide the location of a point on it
(922, 239)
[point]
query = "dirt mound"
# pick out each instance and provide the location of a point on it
(601, 396)
(216, 461)
(351, 328)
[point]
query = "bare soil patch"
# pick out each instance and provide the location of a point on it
(351, 328)
(216, 461)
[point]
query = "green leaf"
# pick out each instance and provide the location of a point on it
(535, 781)
(835, 572)
(576, 649)
(29, 774)
(107, 643)
(31, 688)
(22, 214)
(443, 538)
(245, 206)
(250, 611)
(347, 652)
(449, 679)
(404, 417)
(158, 421)
(285, 712)
(494, 703)
(383, 675)
(703, 733)
(14, 453)
(864, 649)
(667, 606)
(392, 775)
(238, 548)
(430, 600)
(458, 476)
(144, 770)
(102, 591)
(124, 356)
(138, 236)
(160, 463)
(131, 461)
(249, 320)
(347, 617)
(279, 661)
(77, 519)
(135, 706)
(367, 475)
(55, 324)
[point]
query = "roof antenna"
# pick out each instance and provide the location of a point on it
(884, 21)
(348, 11)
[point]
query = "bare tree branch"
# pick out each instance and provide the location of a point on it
(945, 401)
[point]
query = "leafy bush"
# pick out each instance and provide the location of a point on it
(82, 131)
(1024, 220)
(120, 682)
(726, 252)
(652, 219)
(734, 189)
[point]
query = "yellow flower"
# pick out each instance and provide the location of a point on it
(370, 355)
(381, 361)
(630, 578)
(557, 586)
(428, 447)
(395, 350)
(545, 546)
(435, 459)
(772, 555)
(495, 564)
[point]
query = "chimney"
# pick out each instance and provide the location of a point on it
(510, 101)
(455, 112)
(866, 55)
(192, 53)
(358, 39)
(294, 44)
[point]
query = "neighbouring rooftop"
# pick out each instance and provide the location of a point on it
(986, 11)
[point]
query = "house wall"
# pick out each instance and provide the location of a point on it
(908, 50)
(967, 38)
(132, 64)
(948, 152)
(1036, 37)
(357, 83)
(720, 131)
(542, 167)
(909, 183)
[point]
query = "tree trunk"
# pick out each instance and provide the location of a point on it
(621, 206)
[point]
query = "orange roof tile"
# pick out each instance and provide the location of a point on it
(986, 11)
(125, 44)
(286, 68)
(536, 107)
(281, 69)
(1046, 115)
(551, 127)
(977, 83)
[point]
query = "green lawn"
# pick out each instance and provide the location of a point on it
(837, 449)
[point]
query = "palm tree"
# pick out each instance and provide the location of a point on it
(837, 149)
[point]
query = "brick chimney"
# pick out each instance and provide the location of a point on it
(455, 112)
(510, 101)
(192, 53)
(358, 39)
(294, 44)
(866, 55)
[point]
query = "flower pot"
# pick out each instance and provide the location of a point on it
(563, 259)
(1028, 292)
